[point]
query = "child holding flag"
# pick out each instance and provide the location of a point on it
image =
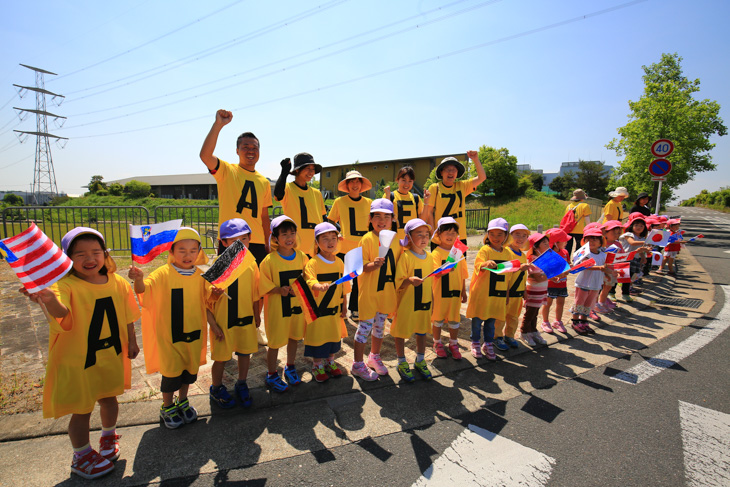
(413, 315)
(283, 316)
(536, 290)
(672, 248)
(634, 238)
(449, 289)
(238, 316)
(173, 300)
(377, 297)
(504, 331)
(323, 336)
(89, 348)
(351, 211)
(611, 231)
(589, 282)
(488, 290)
(557, 286)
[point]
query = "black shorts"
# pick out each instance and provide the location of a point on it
(172, 384)
(322, 351)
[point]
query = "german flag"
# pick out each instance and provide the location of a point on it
(304, 293)
(227, 268)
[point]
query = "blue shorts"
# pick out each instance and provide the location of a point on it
(322, 351)
(557, 292)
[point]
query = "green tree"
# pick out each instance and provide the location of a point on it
(564, 184)
(537, 181)
(116, 189)
(137, 189)
(96, 184)
(11, 199)
(592, 178)
(666, 110)
(501, 170)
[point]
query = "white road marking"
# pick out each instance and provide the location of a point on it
(706, 445)
(670, 357)
(481, 458)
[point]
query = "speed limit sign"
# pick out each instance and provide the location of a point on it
(662, 148)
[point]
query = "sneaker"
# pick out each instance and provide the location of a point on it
(405, 371)
(602, 308)
(512, 342)
(319, 374)
(374, 362)
(628, 299)
(527, 338)
(546, 327)
(476, 350)
(354, 315)
(291, 376)
(633, 290)
(594, 316)
(109, 447)
(558, 325)
(364, 372)
(244, 397)
(439, 349)
(578, 327)
(538, 338)
(611, 304)
(639, 282)
(488, 351)
(187, 411)
(455, 352)
(221, 397)
(587, 328)
(171, 417)
(275, 382)
(332, 369)
(422, 368)
(501, 344)
(611, 297)
(91, 466)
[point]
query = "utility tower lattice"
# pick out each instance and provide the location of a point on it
(44, 176)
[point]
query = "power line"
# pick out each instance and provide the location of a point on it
(163, 68)
(178, 29)
(17, 162)
(389, 70)
(288, 58)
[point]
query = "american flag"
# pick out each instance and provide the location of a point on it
(38, 262)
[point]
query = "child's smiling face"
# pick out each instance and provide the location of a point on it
(87, 256)
(286, 240)
(381, 221)
(543, 245)
(448, 237)
(519, 237)
(420, 237)
(405, 184)
(496, 237)
(327, 242)
(185, 252)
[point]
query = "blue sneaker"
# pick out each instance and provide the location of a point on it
(244, 398)
(501, 344)
(291, 376)
(512, 342)
(221, 397)
(187, 411)
(275, 382)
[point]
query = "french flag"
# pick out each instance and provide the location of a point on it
(149, 241)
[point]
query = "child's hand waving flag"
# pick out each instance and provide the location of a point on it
(353, 266)
(456, 254)
(551, 263)
(582, 266)
(504, 267)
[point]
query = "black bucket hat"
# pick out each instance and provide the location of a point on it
(304, 159)
(642, 195)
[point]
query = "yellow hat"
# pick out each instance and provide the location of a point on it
(187, 233)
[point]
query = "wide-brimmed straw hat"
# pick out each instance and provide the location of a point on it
(366, 184)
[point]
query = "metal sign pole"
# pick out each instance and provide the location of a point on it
(658, 197)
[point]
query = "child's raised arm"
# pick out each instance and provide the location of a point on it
(137, 275)
(481, 175)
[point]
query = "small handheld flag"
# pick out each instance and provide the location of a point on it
(149, 241)
(36, 260)
(581, 254)
(444, 268)
(660, 238)
(353, 266)
(551, 263)
(620, 257)
(623, 271)
(386, 238)
(227, 267)
(695, 238)
(657, 258)
(457, 251)
(582, 266)
(504, 267)
(304, 293)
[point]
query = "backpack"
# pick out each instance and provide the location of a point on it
(568, 222)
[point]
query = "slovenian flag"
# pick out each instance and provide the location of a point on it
(504, 267)
(35, 259)
(227, 267)
(353, 266)
(149, 241)
(551, 263)
(582, 266)
(304, 293)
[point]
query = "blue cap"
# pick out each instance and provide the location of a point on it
(235, 227)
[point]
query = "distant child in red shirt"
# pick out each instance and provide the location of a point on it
(672, 249)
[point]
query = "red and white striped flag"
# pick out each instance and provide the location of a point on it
(39, 262)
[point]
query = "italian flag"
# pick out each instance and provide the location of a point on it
(504, 267)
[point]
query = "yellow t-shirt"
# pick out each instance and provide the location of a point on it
(488, 291)
(613, 211)
(174, 323)
(516, 282)
(235, 316)
(376, 289)
(283, 316)
(451, 202)
(87, 349)
(406, 207)
(447, 289)
(243, 194)
(414, 302)
(582, 211)
(306, 208)
(329, 327)
(353, 219)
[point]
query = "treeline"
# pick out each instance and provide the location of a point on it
(718, 200)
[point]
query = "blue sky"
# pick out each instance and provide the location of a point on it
(345, 80)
